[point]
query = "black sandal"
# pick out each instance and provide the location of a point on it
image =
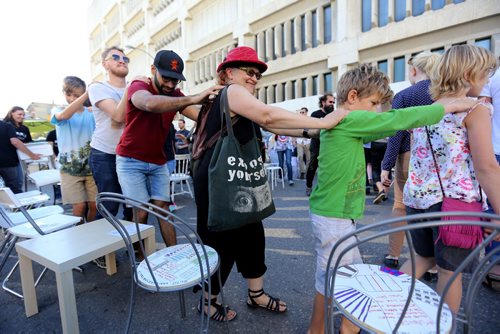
(221, 312)
(273, 305)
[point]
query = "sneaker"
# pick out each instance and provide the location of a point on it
(290, 183)
(380, 197)
(430, 277)
(100, 262)
(308, 191)
(391, 261)
(172, 207)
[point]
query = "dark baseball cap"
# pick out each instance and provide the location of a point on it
(169, 64)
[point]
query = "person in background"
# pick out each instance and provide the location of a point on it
(465, 159)
(397, 153)
(9, 162)
(16, 116)
(52, 139)
(284, 147)
(74, 126)
(491, 94)
(181, 138)
(326, 105)
(303, 149)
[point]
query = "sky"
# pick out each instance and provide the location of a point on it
(42, 41)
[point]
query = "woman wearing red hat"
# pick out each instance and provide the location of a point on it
(245, 246)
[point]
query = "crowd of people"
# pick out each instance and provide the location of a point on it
(437, 137)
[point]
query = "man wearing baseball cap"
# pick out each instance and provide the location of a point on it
(150, 109)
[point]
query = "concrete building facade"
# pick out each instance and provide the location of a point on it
(307, 44)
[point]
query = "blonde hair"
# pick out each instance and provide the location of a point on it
(459, 67)
(425, 62)
(366, 80)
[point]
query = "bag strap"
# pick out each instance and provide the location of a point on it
(225, 113)
(437, 167)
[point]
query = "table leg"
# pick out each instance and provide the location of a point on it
(150, 245)
(110, 263)
(67, 302)
(28, 285)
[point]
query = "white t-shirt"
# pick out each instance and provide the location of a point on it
(105, 136)
(492, 89)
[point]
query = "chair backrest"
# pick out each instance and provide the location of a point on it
(45, 149)
(182, 164)
(382, 229)
(8, 199)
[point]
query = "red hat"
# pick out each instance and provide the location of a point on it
(242, 55)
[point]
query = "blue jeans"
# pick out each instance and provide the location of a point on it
(103, 166)
(286, 154)
(143, 180)
(10, 178)
(494, 244)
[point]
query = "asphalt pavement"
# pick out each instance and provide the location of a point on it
(102, 300)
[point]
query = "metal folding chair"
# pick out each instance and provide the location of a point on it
(352, 287)
(160, 271)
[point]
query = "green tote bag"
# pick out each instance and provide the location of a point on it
(238, 191)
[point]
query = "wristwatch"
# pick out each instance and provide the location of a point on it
(305, 133)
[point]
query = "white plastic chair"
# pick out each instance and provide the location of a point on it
(27, 224)
(181, 176)
(40, 178)
(273, 172)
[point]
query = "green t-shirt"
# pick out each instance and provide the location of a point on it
(340, 190)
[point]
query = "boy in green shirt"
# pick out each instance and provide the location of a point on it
(339, 195)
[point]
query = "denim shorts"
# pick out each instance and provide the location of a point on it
(143, 180)
(327, 231)
(424, 241)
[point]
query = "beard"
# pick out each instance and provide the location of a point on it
(120, 72)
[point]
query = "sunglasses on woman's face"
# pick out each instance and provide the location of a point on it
(251, 72)
(116, 57)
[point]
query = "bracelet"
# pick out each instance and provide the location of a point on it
(305, 133)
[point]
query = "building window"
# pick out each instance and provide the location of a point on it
(327, 14)
(304, 87)
(484, 42)
(366, 15)
(383, 12)
(328, 82)
(399, 69)
(294, 89)
(292, 38)
(417, 7)
(437, 4)
(382, 66)
(302, 33)
(283, 53)
(315, 85)
(438, 50)
(399, 10)
(283, 92)
(314, 21)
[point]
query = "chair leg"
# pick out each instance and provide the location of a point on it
(189, 188)
(183, 304)
(15, 293)
(9, 249)
(172, 192)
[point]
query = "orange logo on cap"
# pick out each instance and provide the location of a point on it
(174, 64)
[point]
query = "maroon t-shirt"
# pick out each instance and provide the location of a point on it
(145, 132)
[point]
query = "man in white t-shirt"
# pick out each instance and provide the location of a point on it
(491, 93)
(109, 123)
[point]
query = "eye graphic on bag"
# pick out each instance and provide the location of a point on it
(251, 199)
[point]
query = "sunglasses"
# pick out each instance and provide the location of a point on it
(167, 80)
(251, 72)
(116, 57)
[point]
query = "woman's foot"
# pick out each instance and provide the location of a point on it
(217, 311)
(260, 299)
